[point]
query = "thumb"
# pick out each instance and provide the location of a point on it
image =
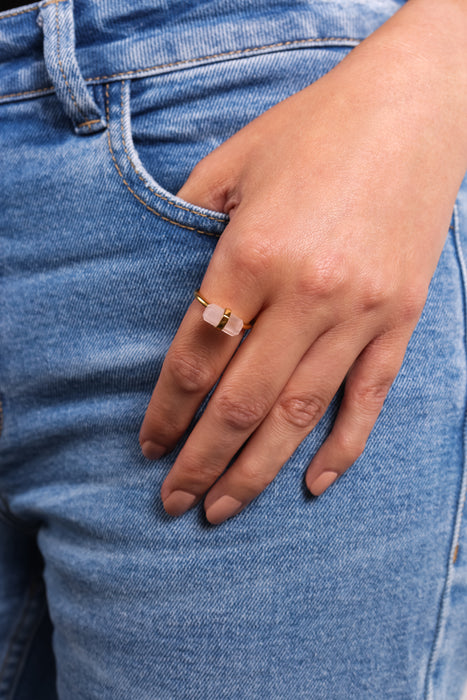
(212, 184)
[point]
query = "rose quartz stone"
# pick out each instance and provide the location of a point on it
(213, 314)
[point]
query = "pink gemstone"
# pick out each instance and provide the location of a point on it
(213, 314)
(233, 326)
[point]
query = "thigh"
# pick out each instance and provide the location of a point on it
(359, 593)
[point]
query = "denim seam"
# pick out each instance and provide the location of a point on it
(26, 649)
(16, 633)
(36, 7)
(90, 121)
(50, 89)
(21, 12)
(143, 180)
(139, 71)
(444, 602)
(227, 53)
(165, 218)
(57, 24)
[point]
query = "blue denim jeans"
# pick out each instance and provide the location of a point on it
(105, 107)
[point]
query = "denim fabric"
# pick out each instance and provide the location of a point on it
(360, 593)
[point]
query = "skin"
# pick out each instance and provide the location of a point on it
(336, 228)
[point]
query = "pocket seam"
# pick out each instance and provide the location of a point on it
(143, 180)
(147, 206)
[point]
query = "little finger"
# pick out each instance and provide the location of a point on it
(367, 385)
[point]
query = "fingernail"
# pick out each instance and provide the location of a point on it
(152, 451)
(178, 502)
(323, 482)
(223, 508)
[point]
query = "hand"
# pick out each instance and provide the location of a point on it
(340, 199)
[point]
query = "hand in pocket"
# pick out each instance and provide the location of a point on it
(340, 199)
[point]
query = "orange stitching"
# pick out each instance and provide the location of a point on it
(90, 121)
(52, 2)
(190, 228)
(166, 199)
(188, 60)
(21, 12)
(30, 9)
(58, 55)
(227, 53)
(27, 92)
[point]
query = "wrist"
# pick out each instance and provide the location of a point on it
(416, 65)
(432, 35)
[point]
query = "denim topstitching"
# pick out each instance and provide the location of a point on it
(165, 218)
(143, 180)
(21, 12)
(301, 43)
(444, 601)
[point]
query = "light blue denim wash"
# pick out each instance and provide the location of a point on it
(360, 593)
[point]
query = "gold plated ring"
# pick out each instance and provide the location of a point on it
(223, 319)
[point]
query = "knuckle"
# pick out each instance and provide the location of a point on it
(376, 292)
(372, 394)
(240, 412)
(324, 279)
(254, 258)
(192, 374)
(195, 473)
(255, 479)
(412, 302)
(300, 411)
(350, 445)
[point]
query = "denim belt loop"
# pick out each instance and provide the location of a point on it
(57, 23)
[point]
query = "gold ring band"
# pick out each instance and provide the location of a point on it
(223, 319)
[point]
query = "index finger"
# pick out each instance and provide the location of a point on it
(193, 364)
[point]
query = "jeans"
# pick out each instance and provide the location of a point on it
(360, 593)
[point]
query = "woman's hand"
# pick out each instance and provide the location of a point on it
(340, 199)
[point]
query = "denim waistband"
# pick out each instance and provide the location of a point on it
(117, 38)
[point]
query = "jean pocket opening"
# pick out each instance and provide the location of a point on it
(136, 178)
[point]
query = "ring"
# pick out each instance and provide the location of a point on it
(223, 319)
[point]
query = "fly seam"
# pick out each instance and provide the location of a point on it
(190, 228)
(18, 629)
(166, 199)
